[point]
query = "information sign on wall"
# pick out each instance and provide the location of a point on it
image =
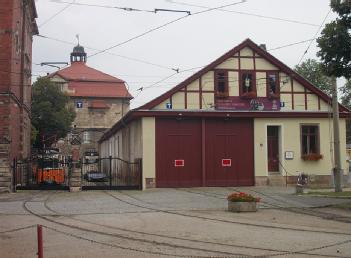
(79, 104)
(179, 163)
(226, 162)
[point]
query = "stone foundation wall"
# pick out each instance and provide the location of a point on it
(150, 183)
(314, 181)
(5, 177)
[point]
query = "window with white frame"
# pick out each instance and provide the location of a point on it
(86, 137)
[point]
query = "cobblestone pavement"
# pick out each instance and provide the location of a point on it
(184, 222)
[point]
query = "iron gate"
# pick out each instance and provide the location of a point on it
(37, 174)
(110, 174)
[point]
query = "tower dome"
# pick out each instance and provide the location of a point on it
(78, 54)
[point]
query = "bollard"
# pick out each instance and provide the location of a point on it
(40, 241)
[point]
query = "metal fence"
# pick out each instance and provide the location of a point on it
(110, 173)
(38, 175)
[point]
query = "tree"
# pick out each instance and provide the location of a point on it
(312, 70)
(346, 101)
(335, 41)
(51, 114)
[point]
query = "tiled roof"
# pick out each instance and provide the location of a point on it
(81, 72)
(97, 89)
(84, 81)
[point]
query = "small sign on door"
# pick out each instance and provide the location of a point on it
(226, 162)
(179, 163)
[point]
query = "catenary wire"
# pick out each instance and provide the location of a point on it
(164, 25)
(246, 13)
(56, 14)
(110, 53)
(315, 36)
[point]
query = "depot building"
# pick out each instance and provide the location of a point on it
(245, 119)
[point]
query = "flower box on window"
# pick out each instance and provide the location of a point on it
(312, 156)
(222, 94)
(249, 95)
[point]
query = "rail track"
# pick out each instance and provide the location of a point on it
(164, 241)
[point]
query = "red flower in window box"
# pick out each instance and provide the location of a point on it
(312, 156)
(249, 95)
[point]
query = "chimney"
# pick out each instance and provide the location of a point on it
(263, 46)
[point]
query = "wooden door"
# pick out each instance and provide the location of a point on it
(178, 153)
(273, 148)
(232, 142)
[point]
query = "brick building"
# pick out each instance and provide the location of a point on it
(100, 100)
(17, 27)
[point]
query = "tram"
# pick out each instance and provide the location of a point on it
(49, 168)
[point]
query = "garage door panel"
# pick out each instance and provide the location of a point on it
(178, 140)
(229, 140)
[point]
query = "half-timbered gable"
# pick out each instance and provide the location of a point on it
(247, 78)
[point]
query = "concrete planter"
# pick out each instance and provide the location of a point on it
(242, 206)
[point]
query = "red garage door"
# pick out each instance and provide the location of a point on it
(178, 153)
(229, 153)
(223, 156)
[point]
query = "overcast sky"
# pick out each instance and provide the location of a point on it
(193, 41)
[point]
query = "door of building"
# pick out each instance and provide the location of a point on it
(229, 152)
(178, 152)
(273, 148)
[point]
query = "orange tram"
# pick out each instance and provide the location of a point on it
(49, 169)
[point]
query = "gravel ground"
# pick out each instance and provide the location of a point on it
(191, 222)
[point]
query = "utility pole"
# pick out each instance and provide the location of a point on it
(337, 171)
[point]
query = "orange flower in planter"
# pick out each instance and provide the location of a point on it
(242, 197)
(312, 156)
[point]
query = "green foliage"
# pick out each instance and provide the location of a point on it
(346, 94)
(51, 114)
(346, 101)
(312, 71)
(335, 41)
(34, 134)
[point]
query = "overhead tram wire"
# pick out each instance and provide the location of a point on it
(56, 14)
(246, 13)
(292, 44)
(110, 53)
(164, 25)
(128, 9)
(315, 36)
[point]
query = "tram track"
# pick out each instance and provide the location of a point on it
(305, 210)
(277, 252)
(58, 215)
(226, 221)
(280, 252)
(129, 238)
(297, 210)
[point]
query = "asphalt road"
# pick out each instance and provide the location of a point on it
(190, 222)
